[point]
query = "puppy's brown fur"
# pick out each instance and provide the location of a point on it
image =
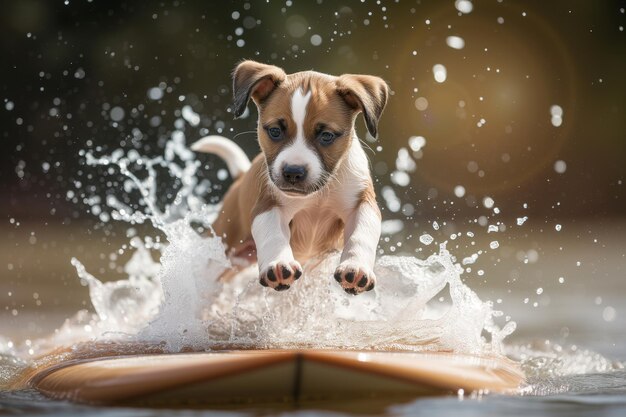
(325, 206)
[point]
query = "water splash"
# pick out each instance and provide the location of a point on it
(552, 369)
(172, 299)
(178, 301)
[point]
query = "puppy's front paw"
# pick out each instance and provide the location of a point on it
(280, 275)
(354, 279)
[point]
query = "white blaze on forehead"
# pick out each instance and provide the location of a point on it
(298, 108)
(299, 152)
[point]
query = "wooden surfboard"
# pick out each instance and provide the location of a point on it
(270, 376)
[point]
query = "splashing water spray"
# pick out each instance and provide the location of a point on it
(180, 303)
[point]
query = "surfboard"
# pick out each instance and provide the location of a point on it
(272, 376)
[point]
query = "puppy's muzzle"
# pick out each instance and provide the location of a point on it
(294, 174)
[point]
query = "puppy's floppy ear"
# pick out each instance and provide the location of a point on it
(364, 93)
(256, 80)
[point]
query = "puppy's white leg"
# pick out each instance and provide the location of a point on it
(355, 273)
(277, 267)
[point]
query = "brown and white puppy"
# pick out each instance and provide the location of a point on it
(310, 190)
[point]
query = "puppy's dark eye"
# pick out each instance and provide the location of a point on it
(326, 137)
(275, 133)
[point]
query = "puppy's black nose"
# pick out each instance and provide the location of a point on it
(294, 173)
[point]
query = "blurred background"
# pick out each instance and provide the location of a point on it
(517, 106)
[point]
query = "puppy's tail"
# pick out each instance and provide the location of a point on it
(236, 160)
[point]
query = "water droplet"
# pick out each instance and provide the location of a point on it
(117, 114)
(464, 6)
(609, 314)
(556, 112)
(400, 178)
(316, 40)
(222, 174)
(190, 116)
(440, 73)
(417, 143)
(421, 103)
(297, 26)
(155, 93)
(426, 239)
(455, 42)
(560, 166)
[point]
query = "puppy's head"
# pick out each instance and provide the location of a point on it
(306, 119)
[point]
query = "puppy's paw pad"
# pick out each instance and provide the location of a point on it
(354, 279)
(280, 275)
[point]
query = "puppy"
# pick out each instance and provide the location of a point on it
(310, 190)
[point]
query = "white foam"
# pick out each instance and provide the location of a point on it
(547, 364)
